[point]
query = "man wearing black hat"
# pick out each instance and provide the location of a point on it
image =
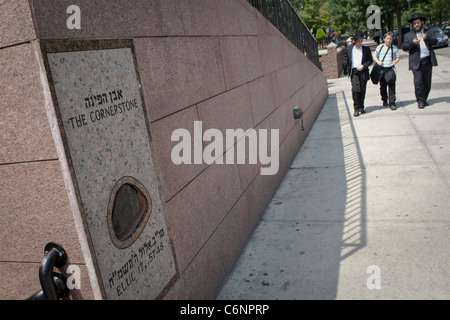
(357, 60)
(419, 42)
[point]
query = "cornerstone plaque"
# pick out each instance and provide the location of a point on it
(102, 113)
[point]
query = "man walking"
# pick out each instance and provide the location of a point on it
(419, 42)
(357, 60)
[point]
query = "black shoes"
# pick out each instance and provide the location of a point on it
(390, 105)
(422, 104)
(359, 111)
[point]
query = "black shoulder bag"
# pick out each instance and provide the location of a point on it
(377, 71)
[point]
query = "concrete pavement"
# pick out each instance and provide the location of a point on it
(364, 210)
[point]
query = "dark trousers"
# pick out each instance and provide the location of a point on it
(384, 85)
(422, 79)
(358, 89)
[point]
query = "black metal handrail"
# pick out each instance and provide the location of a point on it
(53, 284)
(283, 16)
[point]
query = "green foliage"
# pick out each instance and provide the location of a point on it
(436, 11)
(320, 34)
(351, 15)
(315, 13)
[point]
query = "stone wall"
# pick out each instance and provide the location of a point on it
(331, 60)
(218, 62)
(34, 201)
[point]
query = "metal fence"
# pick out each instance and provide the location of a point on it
(323, 43)
(284, 17)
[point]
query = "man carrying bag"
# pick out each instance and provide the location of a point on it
(356, 63)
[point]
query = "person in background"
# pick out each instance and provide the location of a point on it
(328, 31)
(356, 63)
(386, 55)
(376, 37)
(419, 42)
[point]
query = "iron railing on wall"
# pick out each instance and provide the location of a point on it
(284, 17)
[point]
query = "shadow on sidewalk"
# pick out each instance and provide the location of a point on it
(405, 103)
(431, 101)
(316, 219)
(354, 229)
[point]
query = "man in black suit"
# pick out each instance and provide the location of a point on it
(357, 60)
(419, 42)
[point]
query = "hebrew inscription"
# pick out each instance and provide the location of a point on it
(101, 110)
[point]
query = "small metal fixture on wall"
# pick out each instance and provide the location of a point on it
(298, 114)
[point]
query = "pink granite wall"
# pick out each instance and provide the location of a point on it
(34, 205)
(219, 62)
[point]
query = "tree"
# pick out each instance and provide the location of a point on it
(436, 11)
(320, 34)
(314, 13)
(351, 13)
(391, 9)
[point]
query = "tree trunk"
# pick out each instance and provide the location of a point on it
(390, 21)
(398, 13)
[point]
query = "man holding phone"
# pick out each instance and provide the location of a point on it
(419, 42)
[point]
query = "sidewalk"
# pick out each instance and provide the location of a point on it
(364, 210)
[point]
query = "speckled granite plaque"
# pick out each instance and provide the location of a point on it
(102, 114)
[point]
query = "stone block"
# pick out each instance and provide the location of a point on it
(174, 177)
(282, 118)
(17, 23)
(203, 278)
(178, 72)
(229, 110)
(241, 60)
(216, 17)
(35, 206)
(108, 19)
(19, 280)
(196, 211)
(272, 53)
(262, 97)
(25, 132)
(299, 75)
(248, 171)
(233, 233)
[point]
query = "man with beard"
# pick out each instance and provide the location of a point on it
(419, 42)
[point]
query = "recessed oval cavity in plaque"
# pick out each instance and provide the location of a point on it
(129, 208)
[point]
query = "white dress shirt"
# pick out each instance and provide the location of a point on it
(424, 52)
(357, 56)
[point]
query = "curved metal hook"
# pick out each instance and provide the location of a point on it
(54, 285)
